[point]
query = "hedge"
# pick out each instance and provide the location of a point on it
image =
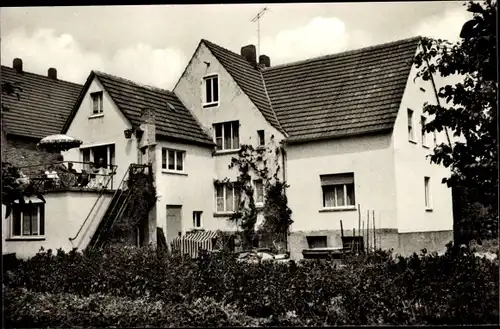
(455, 288)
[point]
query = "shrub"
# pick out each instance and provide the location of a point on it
(422, 289)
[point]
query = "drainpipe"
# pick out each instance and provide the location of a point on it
(148, 141)
(283, 165)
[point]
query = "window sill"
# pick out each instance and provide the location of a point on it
(226, 152)
(428, 209)
(173, 172)
(412, 141)
(93, 116)
(207, 105)
(352, 208)
(425, 146)
(224, 214)
(25, 238)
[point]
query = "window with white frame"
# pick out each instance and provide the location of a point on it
(227, 135)
(427, 192)
(411, 133)
(197, 219)
(28, 220)
(227, 197)
(96, 153)
(338, 190)
(211, 91)
(96, 102)
(259, 191)
(423, 121)
(172, 160)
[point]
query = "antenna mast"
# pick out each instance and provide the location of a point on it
(257, 19)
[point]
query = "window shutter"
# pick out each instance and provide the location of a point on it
(337, 179)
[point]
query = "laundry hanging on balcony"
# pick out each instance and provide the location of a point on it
(58, 143)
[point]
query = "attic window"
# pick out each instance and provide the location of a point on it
(96, 102)
(211, 86)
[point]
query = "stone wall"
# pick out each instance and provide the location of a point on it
(401, 243)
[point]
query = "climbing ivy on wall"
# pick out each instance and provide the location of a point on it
(260, 163)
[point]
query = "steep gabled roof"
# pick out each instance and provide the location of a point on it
(173, 120)
(43, 106)
(249, 78)
(350, 93)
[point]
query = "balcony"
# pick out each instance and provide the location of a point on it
(65, 175)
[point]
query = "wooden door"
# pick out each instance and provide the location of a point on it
(174, 222)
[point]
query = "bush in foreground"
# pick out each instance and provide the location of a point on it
(423, 289)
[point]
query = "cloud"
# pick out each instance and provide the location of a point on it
(44, 49)
(445, 26)
(321, 36)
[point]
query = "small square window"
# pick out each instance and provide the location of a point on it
(211, 91)
(261, 135)
(316, 241)
(197, 219)
(411, 136)
(96, 102)
(173, 160)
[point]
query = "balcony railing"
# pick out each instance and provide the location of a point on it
(68, 174)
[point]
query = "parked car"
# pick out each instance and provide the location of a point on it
(259, 255)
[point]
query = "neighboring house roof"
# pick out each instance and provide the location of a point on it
(173, 120)
(43, 105)
(249, 79)
(350, 93)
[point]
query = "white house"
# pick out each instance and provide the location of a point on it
(349, 125)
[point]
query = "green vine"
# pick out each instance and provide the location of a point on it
(260, 163)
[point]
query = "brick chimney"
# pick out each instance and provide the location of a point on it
(249, 53)
(264, 61)
(52, 73)
(17, 64)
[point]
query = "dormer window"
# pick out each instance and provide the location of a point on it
(96, 102)
(211, 84)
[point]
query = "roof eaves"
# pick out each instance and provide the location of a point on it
(208, 44)
(280, 128)
(301, 140)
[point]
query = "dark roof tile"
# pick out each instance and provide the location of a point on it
(249, 78)
(172, 118)
(350, 93)
(43, 106)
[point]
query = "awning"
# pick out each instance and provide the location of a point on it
(191, 243)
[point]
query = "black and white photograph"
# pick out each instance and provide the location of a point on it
(249, 165)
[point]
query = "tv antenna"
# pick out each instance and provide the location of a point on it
(257, 19)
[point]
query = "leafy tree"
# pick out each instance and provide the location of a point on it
(470, 110)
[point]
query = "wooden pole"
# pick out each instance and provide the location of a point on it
(368, 230)
(353, 231)
(359, 219)
(341, 229)
(363, 232)
(374, 234)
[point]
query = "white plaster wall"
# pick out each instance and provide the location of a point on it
(234, 104)
(193, 189)
(107, 129)
(65, 212)
(371, 160)
(411, 167)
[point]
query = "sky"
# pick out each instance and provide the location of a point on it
(152, 44)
